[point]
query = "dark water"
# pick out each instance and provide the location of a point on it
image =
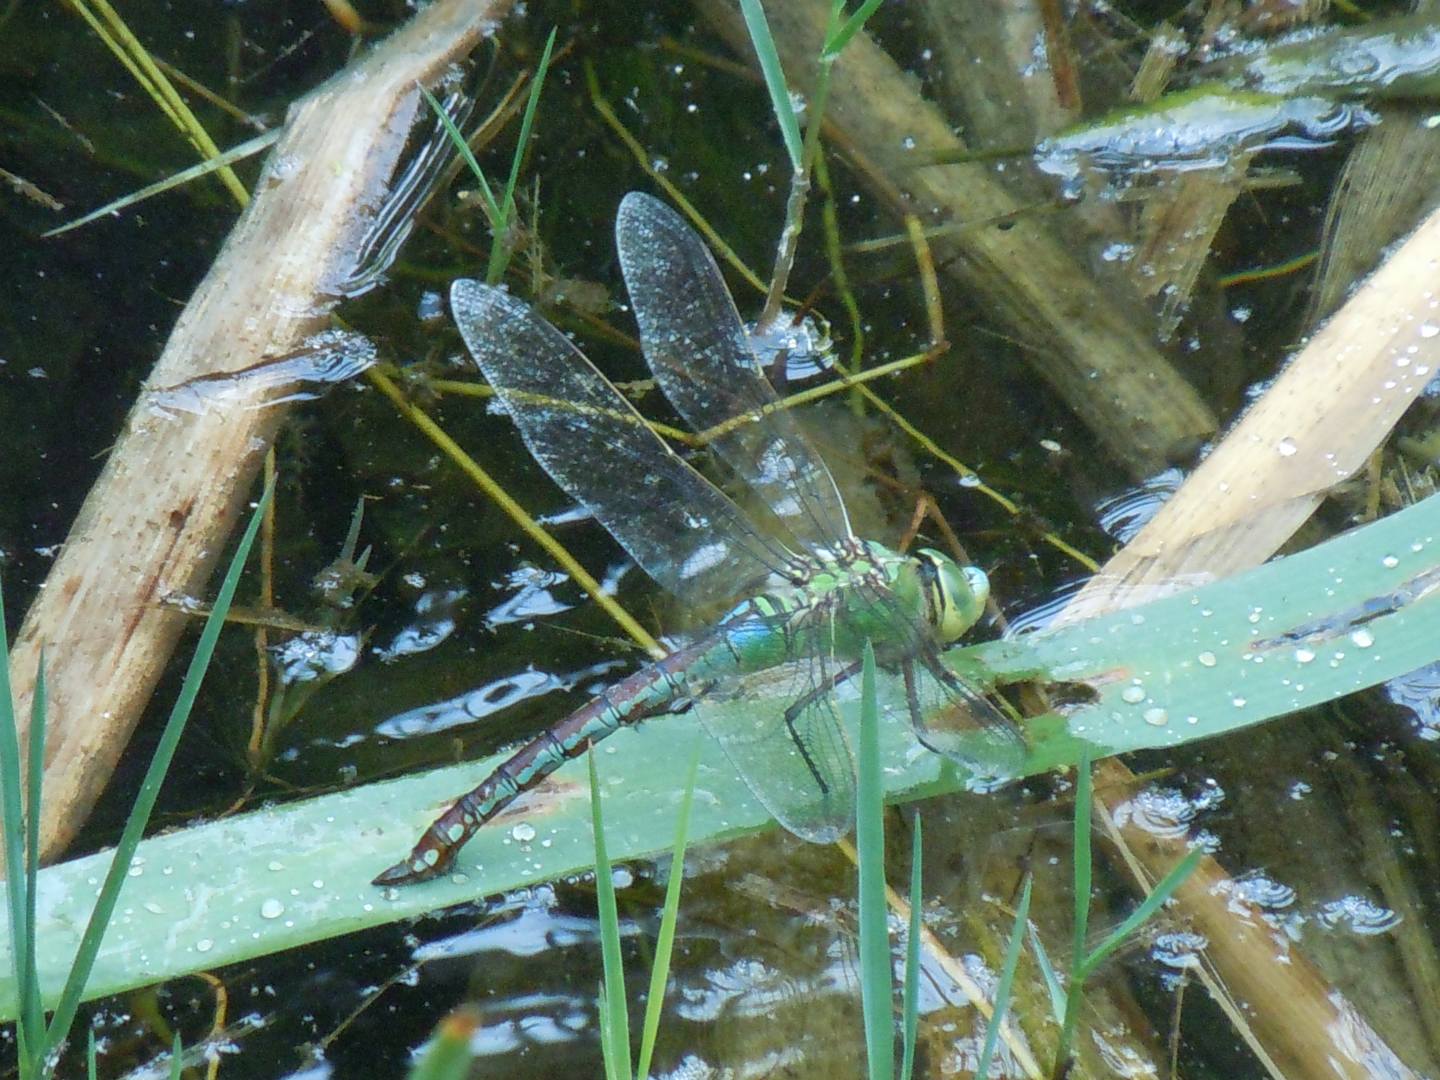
(461, 605)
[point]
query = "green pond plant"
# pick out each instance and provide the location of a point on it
(40, 1042)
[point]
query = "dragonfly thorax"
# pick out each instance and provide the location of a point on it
(925, 587)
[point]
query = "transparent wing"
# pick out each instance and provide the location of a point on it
(696, 346)
(795, 760)
(682, 530)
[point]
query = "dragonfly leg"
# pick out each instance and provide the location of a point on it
(978, 735)
(912, 694)
(820, 689)
(797, 707)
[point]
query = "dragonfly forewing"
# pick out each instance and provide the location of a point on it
(682, 530)
(696, 345)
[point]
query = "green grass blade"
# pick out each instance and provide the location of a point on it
(1006, 982)
(1214, 660)
(876, 977)
(500, 249)
(1053, 985)
(30, 1029)
(835, 43)
(150, 786)
(448, 1057)
(607, 1035)
(487, 194)
(780, 100)
(179, 179)
(1083, 882)
(34, 788)
(1082, 876)
(665, 942)
(614, 1018)
(1147, 907)
(910, 1000)
(1381, 569)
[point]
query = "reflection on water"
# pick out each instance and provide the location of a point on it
(791, 351)
(1418, 693)
(487, 700)
(315, 655)
(1125, 514)
(436, 611)
(412, 185)
(323, 362)
(531, 596)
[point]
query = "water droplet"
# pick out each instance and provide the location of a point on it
(1362, 638)
(1390, 562)
(1157, 717)
(1207, 659)
(1133, 694)
(1287, 447)
(272, 909)
(1429, 329)
(1303, 655)
(1238, 701)
(523, 833)
(204, 945)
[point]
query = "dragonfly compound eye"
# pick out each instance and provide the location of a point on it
(958, 593)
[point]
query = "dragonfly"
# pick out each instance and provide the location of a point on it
(816, 593)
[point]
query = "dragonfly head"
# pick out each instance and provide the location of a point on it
(955, 595)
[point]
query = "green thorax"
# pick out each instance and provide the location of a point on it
(841, 599)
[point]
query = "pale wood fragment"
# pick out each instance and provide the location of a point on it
(1317, 425)
(157, 518)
